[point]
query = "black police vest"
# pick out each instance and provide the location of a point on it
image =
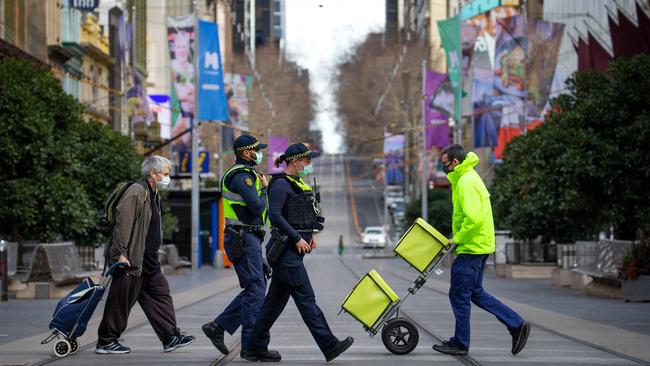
(301, 211)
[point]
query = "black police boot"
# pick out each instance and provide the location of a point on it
(449, 348)
(519, 337)
(262, 356)
(338, 348)
(215, 333)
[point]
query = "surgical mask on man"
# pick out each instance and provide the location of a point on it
(164, 183)
(307, 169)
(258, 157)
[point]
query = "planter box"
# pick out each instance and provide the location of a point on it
(637, 290)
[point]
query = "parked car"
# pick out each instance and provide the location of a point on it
(373, 236)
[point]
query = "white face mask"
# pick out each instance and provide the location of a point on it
(164, 183)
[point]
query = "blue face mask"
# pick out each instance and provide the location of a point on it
(306, 170)
(258, 157)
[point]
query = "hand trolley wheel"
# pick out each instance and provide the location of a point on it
(74, 346)
(62, 348)
(400, 336)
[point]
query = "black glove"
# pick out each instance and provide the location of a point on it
(268, 271)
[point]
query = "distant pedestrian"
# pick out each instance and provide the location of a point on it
(341, 247)
(473, 230)
(136, 239)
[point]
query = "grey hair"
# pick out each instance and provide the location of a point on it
(154, 163)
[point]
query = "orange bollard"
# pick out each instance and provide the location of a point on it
(222, 226)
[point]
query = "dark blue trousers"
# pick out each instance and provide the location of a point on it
(467, 287)
(245, 306)
(292, 282)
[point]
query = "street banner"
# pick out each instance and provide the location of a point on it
(237, 88)
(180, 38)
(277, 146)
(212, 98)
(437, 106)
(544, 39)
(185, 165)
(137, 107)
(450, 39)
(509, 78)
(160, 107)
(137, 102)
(394, 159)
(486, 114)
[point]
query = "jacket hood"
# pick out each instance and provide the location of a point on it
(471, 160)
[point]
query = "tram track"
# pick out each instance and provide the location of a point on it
(54, 359)
(617, 354)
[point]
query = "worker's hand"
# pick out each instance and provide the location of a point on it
(312, 243)
(124, 260)
(451, 242)
(303, 247)
(263, 180)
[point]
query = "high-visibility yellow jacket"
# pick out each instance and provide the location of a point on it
(472, 222)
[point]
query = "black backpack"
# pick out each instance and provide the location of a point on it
(107, 221)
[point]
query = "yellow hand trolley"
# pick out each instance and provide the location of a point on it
(374, 303)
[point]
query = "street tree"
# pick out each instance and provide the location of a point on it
(585, 169)
(56, 169)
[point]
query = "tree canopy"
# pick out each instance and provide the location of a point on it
(56, 168)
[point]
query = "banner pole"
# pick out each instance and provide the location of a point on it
(195, 150)
(425, 157)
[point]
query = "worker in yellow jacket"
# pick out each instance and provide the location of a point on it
(473, 235)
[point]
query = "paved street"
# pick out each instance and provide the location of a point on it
(568, 328)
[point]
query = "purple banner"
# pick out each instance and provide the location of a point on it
(438, 103)
(277, 146)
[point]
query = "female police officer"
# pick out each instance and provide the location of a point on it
(293, 214)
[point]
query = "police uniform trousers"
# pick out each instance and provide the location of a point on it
(245, 306)
(294, 282)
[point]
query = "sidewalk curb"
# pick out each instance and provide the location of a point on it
(29, 351)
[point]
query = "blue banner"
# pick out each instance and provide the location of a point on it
(212, 99)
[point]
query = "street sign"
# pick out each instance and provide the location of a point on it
(84, 5)
(185, 165)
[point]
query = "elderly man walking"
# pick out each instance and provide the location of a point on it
(473, 230)
(136, 239)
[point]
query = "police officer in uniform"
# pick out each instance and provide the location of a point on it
(294, 217)
(244, 200)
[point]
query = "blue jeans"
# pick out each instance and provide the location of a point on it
(466, 286)
(244, 307)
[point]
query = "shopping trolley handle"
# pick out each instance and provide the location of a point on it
(115, 266)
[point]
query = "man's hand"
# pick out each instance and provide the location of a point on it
(313, 244)
(451, 242)
(124, 260)
(263, 180)
(303, 247)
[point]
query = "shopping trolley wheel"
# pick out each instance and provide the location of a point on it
(62, 348)
(74, 346)
(400, 336)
